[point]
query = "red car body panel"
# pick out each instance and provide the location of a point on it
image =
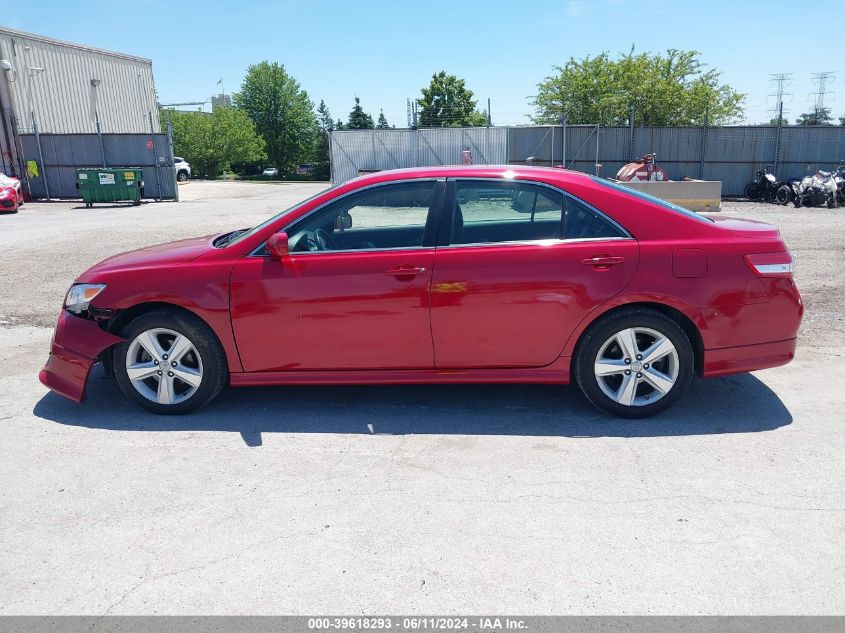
(74, 350)
(179, 277)
(515, 307)
(505, 312)
(301, 314)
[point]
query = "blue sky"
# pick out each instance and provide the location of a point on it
(384, 52)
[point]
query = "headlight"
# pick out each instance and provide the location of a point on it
(7, 193)
(80, 295)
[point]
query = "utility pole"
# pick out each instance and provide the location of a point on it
(563, 121)
(779, 80)
(489, 117)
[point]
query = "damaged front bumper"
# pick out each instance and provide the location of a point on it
(76, 345)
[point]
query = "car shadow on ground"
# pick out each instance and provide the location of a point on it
(736, 404)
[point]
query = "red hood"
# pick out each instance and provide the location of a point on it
(179, 252)
(746, 228)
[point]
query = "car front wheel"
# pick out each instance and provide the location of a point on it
(634, 363)
(170, 362)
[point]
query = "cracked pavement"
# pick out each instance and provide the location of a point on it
(415, 499)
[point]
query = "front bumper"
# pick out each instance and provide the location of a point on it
(76, 345)
(735, 360)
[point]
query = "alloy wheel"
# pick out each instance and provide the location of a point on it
(164, 366)
(636, 366)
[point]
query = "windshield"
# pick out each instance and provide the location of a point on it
(245, 234)
(653, 199)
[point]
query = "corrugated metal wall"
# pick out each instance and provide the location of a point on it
(65, 153)
(356, 151)
(729, 154)
(62, 95)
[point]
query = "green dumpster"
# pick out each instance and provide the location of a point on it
(110, 185)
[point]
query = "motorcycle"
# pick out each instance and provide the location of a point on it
(764, 187)
(815, 190)
(839, 179)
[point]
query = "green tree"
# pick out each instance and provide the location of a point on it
(322, 167)
(774, 121)
(324, 117)
(212, 142)
(358, 119)
(447, 102)
(819, 116)
(382, 121)
(282, 111)
(671, 89)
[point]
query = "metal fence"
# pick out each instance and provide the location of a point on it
(730, 154)
(360, 151)
(61, 155)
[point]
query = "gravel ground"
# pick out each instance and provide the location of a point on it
(423, 499)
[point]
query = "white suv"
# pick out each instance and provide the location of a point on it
(183, 169)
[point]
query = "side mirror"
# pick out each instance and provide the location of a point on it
(277, 245)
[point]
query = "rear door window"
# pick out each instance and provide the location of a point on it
(507, 211)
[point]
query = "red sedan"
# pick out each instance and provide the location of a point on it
(441, 274)
(11, 194)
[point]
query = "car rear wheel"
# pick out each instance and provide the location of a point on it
(182, 176)
(170, 362)
(634, 363)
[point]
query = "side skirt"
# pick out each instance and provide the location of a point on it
(556, 373)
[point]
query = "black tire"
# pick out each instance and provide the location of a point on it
(215, 372)
(595, 338)
(783, 195)
(182, 175)
(751, 191)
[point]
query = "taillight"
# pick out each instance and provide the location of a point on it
(771, 264)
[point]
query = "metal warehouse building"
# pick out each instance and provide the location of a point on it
(67, 105)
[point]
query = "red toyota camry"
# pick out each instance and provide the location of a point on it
(441, 274)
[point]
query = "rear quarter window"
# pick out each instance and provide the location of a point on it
(649, 198)
(582, 222)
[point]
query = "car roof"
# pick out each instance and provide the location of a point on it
(519, 172)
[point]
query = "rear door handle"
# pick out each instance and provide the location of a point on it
(603, 261)
(406, 271)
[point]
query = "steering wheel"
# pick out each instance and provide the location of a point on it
(324, 240)
(313, 241)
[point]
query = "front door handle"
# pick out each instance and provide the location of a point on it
(406, 271)
(603, 261)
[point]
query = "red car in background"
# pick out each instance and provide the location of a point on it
(11, 194)
(441, 274)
